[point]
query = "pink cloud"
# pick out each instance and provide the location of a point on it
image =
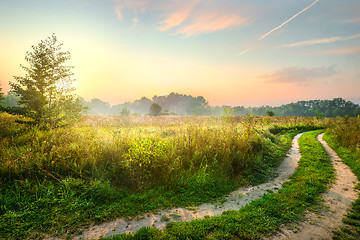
(177, 17)
(134, 5)
(210, 21)
(341, 51)
(191, 17)
(353, 20)
(299, 75)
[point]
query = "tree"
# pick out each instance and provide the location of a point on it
(1, 95)
(142, 105)
(270, 113)
(125, 112)
(46, 90)
(96, 106)
(155, 109)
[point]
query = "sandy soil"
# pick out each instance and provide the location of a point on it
(337, 200)
(233, 201)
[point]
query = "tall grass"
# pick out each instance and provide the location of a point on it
(136, 153)
(346, 132)
(110, 166)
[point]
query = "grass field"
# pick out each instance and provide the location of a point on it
(57, 181)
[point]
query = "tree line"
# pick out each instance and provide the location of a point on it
(186, 105)
(171, 104)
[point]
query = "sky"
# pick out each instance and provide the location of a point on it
(233, 52)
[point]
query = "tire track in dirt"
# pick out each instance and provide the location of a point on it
(234, 201)
(337, 200)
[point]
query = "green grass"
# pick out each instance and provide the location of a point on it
(343, 138)
(264, 216)
(56, 182)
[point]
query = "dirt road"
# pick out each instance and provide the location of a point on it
(337, 200)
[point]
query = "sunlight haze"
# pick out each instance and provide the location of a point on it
(248, 53)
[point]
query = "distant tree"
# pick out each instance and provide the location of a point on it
(97, 106)
(142, 105)
(1, 98)
(46, 89)
(11, 100)
(327, 108)
(115, 109)
(216, 111)
(1, 95)
(183, 104)
(155, 109)
(125, 112)
(240, 111)
(270, 113)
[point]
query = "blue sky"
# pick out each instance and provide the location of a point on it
(231, 52)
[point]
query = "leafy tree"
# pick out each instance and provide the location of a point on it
(270, 113)
(125, 112)
(155, 109)
(46, 90)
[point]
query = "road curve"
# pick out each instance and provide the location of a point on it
(337, 200)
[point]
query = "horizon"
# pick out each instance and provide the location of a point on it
(356, 101)
(235, 53)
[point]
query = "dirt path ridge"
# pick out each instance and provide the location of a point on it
(234, 201)
(337, 200)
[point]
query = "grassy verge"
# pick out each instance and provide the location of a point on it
(351, 157)
(264, 216)
(58, 181)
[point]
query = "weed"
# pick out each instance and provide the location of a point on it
(165, 218)
(175, 216)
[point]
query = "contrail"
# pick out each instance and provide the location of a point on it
(322, 41)
(245, 51)
(280, 26)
